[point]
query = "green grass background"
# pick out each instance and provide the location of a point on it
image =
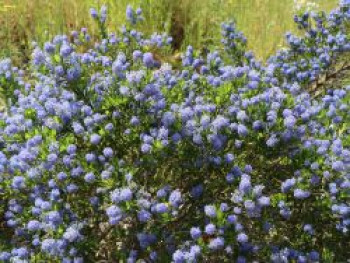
(264, 22)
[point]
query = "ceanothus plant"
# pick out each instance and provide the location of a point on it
(110, 154)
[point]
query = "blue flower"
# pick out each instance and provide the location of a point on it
(78, 128)
(145, 239)
(71, 234)
(314, 256)
(231, 219)
(49, 47)
(242, 130)
(137, 55)
(115, 214)
(195, 232)
(242, 238)
(130, 16)
(146, 148)
(308, 229)
(103, 13)
(5, 256)
(175, 198)
(210, 229)
(49, 246)
(148, 60)
(65, 50)
(126, 194)
(197, 191)
(144, 216)
(109, 126)
(210, 211)
(264, 201)
(95, 139)
(93, 13)
(34, 225)
(245, 184)
(18, 182)
(89, 177)
(71, 149)
(338, 166)
(53, 217)
(90, 157)
(216, 243)
(21, 252)
(229, 157)
(179, 256)
(287, 185)
(52, 158)
(134, 121)
(108, 152)
(161, 208)
(301, 194)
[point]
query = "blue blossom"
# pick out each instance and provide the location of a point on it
(242, 130)
(89, 177)
(145, 239)
(338, 166)
(145, 148)
(126, 194)
(144, 216)
(18, 182)
(216, 243)
(33, 225)
(130, 16)
(90, 157)
(134, 121)
(78, 128)
(137, 55)
(210, 229)
(195, 232)
(49, 246)
(161, 208)
(119, 195)
(108, 152)
(231, 219)
(314, 256)
(301, 194)
(103, 13)
(49, 47)
(53, 217)
(197, 191)
(93, 13)
(245, 184)
(264, 201)
(148, 60)
(65, 50)
(175, 198)
(210, 211)
(5, 256)
(308, 229)
(109, 126)
(287, 185)
(71, 234)
(71, 149)
(179, 256)
(242, 238)
(115, 214)
(95, 139)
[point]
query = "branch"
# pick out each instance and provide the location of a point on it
(314, 88)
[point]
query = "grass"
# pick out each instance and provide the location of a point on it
(264, 22)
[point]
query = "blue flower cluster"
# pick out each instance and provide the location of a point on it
(111, 154)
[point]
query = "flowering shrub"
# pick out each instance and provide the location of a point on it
(110, 154)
